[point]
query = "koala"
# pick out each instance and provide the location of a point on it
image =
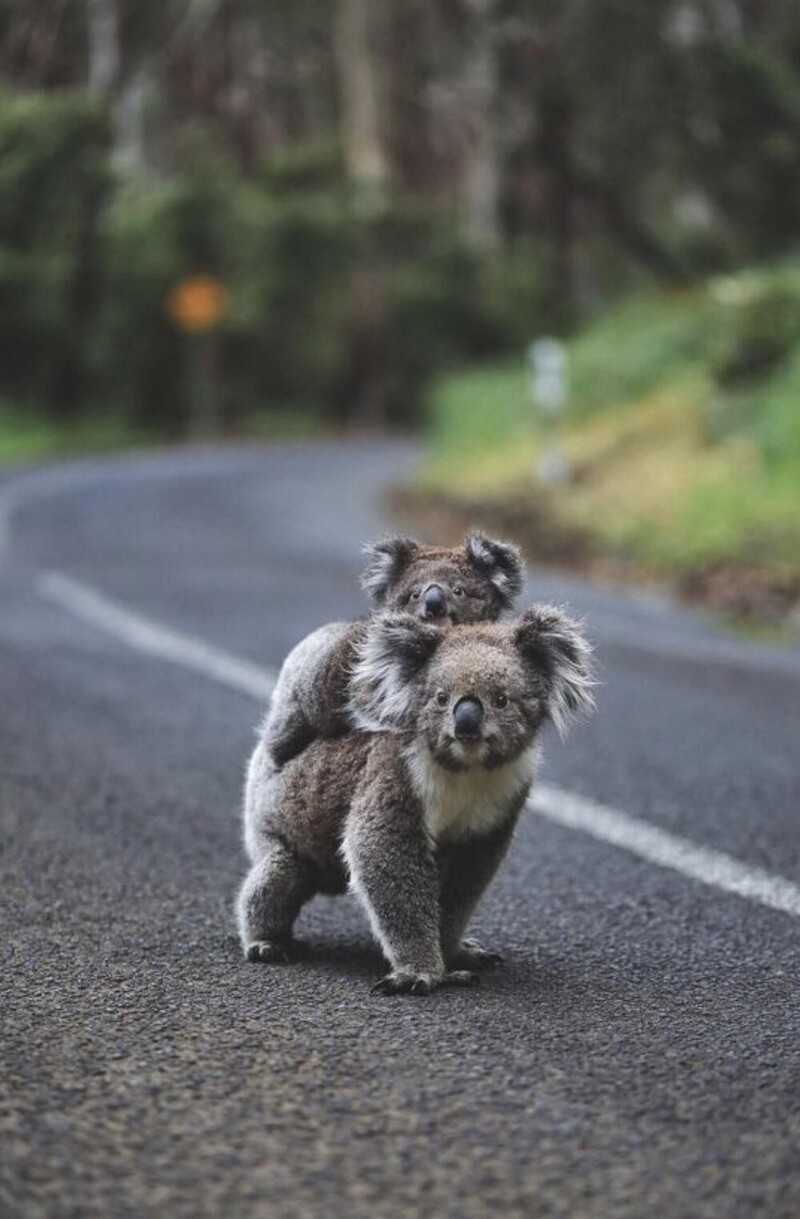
(415, 810)
(472, 583)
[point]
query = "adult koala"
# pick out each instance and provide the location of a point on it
(474, 582)
(416, 816)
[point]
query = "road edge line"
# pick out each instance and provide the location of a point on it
(703, 864)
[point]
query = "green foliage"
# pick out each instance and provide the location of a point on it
(138, 349)
(53, 174)
(329, 308)
(29, 434)
(683, 427)
(636, 347)
(762, 331)
(749, 161)
(473, 413)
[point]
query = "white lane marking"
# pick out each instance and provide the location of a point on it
(704, 864)
(609, 627)
(699, 863)
(144, 635)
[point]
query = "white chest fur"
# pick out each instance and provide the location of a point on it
(460, 803)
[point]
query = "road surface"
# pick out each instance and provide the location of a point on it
(637, 1055)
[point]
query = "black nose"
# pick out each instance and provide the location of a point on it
(435, 601)
(468, 717)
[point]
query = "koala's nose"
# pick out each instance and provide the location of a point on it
(468, 718)
(435, 601)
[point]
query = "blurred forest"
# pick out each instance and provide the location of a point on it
(378, 190)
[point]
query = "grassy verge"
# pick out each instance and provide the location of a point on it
(682, 438)
(26, 436)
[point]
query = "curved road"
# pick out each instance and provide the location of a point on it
(637, 1055)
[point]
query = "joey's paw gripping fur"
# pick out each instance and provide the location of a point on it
(403, 982)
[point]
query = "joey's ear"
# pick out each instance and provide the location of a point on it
(499, 562)
(387, 562)
(391, 656)
(560, 653)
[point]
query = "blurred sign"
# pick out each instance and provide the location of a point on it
(548, 358)
(548, 365)
(196, 304)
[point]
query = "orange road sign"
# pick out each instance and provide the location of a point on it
(196, 303)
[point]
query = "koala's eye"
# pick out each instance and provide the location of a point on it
(441, 698)
(458, 591)
(500, 699)
(414, 595)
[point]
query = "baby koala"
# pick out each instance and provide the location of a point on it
(417, 816)
(472, 583)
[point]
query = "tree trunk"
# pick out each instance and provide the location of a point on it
(358, 81)
(124, 92)
(128, 152)
(555, 152)
(479, 88)
(103, 30)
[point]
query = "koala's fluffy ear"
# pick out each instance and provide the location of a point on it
(388, 560)
(499, 562)
(560, 653)
(391, 656)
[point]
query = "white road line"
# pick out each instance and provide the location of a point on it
(699, 863)
(608, 626)
(144, 635)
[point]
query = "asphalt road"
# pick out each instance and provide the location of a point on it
(638, 1054)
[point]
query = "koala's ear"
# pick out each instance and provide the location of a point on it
(391, 656)
(561, 655)
(387, 562)
(499, 562)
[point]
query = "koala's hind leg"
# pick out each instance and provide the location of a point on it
(269, 901)
(466, 869)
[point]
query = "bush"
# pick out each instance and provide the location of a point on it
(328, 309)
(761, 334)
(53, 178)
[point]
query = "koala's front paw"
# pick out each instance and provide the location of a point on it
(472, 955)
(273, 952)
(405, 982)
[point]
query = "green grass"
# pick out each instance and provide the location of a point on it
(281, 422)
(27, 435)
(682, 430)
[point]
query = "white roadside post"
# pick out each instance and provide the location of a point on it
(549, 389)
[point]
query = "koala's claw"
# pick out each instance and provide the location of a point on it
(472, 955)
(461, 977)
(403, 982)
(398, 982)
(269, 952)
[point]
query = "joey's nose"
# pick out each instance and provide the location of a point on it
(435, 601)
(468, 717)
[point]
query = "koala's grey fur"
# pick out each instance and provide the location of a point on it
(477, 582)
(413, 817)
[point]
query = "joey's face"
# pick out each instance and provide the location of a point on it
(471, 583)
(480, 707)
(444, 590)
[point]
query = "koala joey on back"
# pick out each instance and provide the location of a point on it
(417, 816)
(471, 583)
